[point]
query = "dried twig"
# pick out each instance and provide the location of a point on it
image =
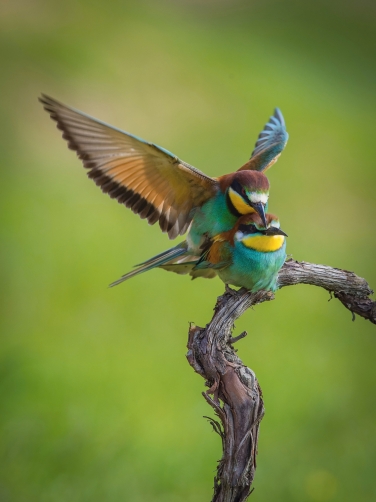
(212, 356)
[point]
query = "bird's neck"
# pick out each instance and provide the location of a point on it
(264, 243)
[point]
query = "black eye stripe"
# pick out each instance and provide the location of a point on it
(249, 229)
(237, 187)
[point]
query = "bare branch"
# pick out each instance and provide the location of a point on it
(235, 385)
(353, 291)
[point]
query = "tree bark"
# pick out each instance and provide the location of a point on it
(234, 392)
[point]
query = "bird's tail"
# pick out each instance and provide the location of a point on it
(156, 261)
(187, 265)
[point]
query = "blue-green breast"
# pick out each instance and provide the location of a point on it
(253, 269)
(211, 219)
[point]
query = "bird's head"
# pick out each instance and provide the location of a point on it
(248, 192)
(252, 225)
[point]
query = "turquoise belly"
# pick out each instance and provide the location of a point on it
(252, 269)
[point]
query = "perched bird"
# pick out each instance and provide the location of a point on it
(250, 255)
(158, 186)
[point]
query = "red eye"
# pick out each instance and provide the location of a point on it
(243, 191)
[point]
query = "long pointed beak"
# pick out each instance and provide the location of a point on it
(274, 231)
(259, 207)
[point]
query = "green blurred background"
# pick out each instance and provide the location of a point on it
(97, 400)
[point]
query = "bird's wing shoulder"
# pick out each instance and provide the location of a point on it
(217, 253)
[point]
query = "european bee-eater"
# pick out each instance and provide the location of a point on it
(158, 186)
(250, 255)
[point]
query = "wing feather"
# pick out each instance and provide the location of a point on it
(270, 144)
(144, 177)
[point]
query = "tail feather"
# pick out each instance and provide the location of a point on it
(185, 268)
(166, 255)
(156, 261)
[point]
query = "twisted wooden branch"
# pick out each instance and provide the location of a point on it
(211, 355)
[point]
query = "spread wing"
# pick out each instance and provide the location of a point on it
(144, 177)
(270, 143)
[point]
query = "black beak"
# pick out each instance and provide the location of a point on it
(274, 231)
(260, 210)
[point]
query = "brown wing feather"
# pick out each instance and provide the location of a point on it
(144, 177)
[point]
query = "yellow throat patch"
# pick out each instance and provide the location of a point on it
(264, 243)
(238, 203)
